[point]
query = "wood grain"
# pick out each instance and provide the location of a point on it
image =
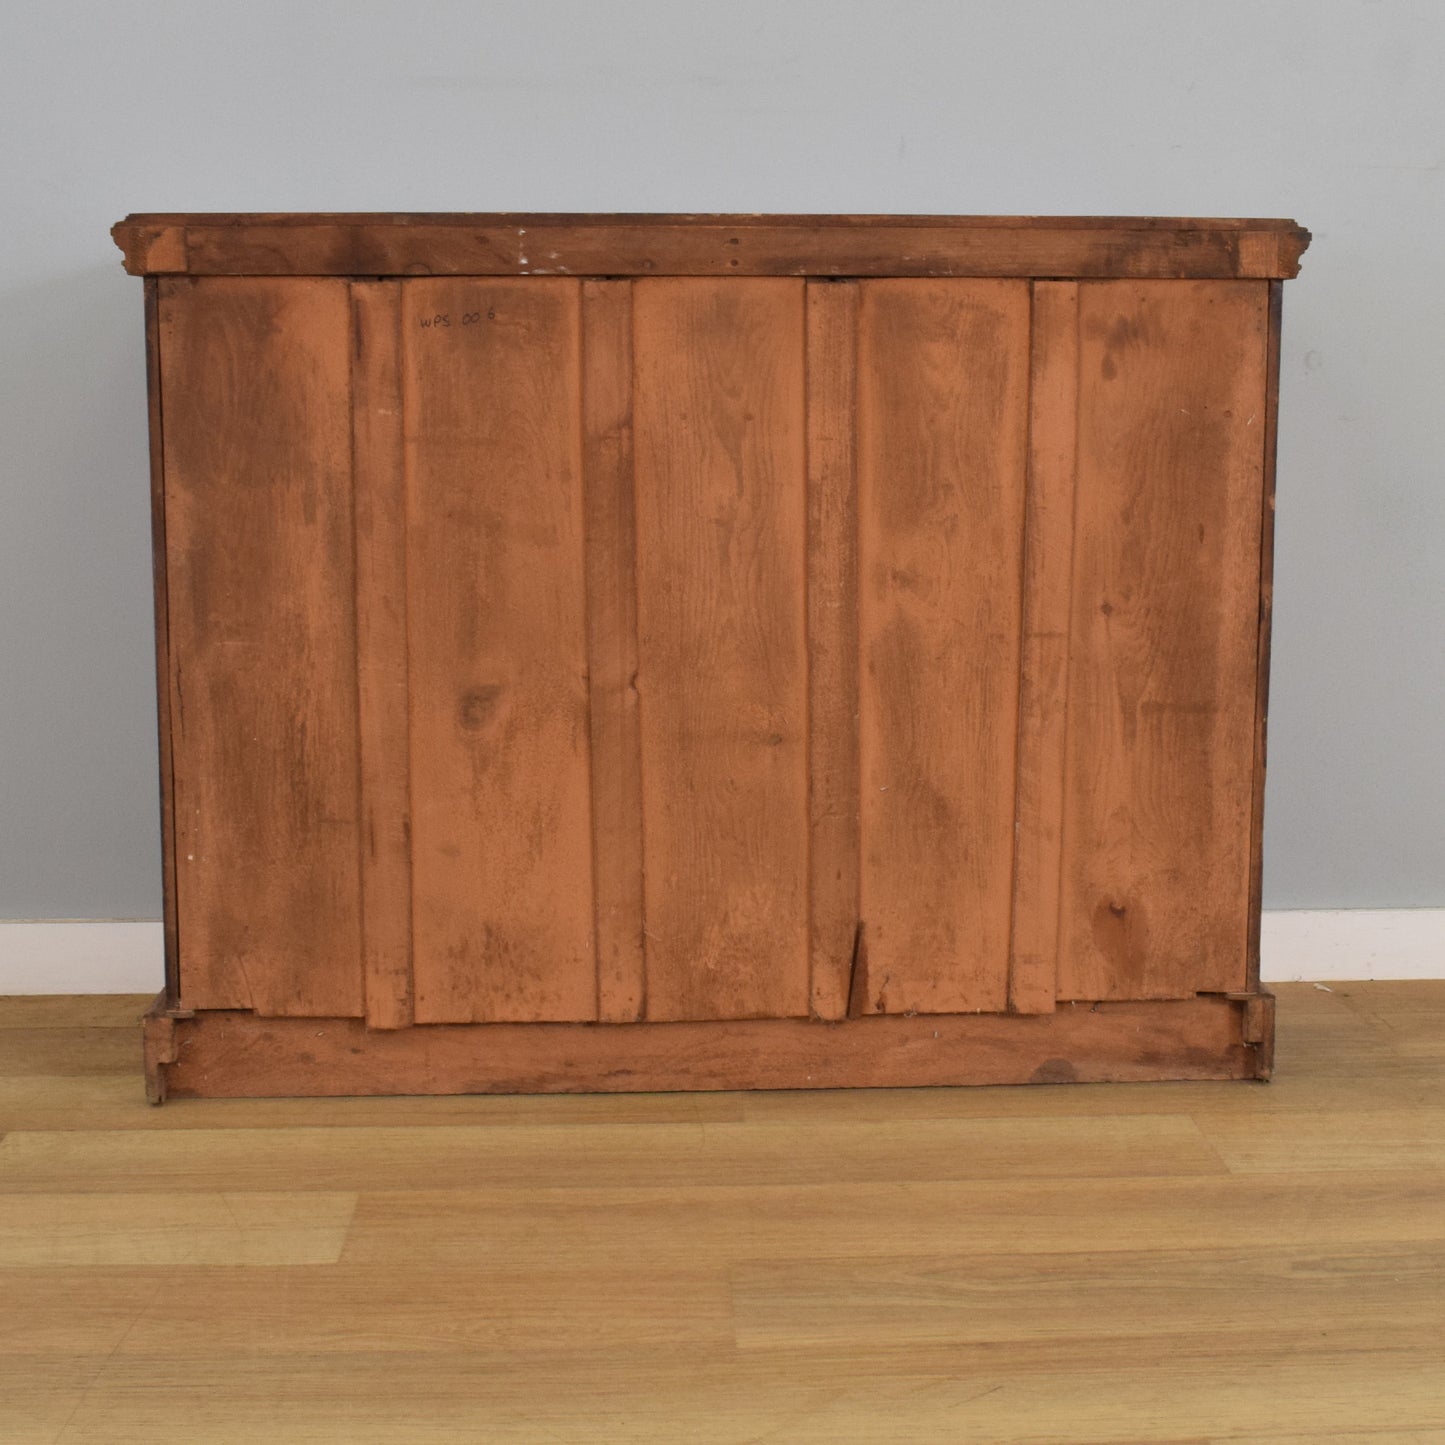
(239, 1055)
(942, 424)
(1164, 639)
(1104, 1212)
(496, 634)
(260, 576)
(801, 1275)
(964, 1296)
(1350, 1139)
(832, 641)
(245, 1228)
(1044, 647)
(71, 1011)
(612, 648)
(475, 1389)
(527, 1311)
(721, 554)
(717, 245)
(872, 1223)
(628, 1157)
(378, 469)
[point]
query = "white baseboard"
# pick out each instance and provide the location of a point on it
(88, 955)
(125, 955)
(1312, 944)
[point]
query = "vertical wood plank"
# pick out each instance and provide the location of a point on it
(612, 647)
(503, 924)
(1164, 638)
(721, 556)
(832, 640)
(943, 420)
(162, 626)
(1044, 650)
(381, 670)
(1266, 613)
(258, 507)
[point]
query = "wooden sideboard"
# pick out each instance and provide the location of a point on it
(669, 652)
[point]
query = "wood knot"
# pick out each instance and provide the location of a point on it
(477, 706)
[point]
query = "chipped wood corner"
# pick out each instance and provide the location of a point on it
(150, 250)
(1272, 254)
(1292, 246)
(158, 1032)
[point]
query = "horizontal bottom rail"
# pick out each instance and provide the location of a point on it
(226, 1054)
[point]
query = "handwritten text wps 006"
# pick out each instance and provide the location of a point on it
(443, 318)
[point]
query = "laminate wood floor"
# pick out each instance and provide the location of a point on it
(1170, 1264)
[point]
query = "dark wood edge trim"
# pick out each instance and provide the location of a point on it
(1257, 1024)
(1266, 611)
(1061, 248)
(158, 1039)
(232, 1054)
(161, 605)
(1259, 1014)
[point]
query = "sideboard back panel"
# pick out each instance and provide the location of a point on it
(618, 652)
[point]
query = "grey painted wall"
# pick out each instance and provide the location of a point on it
(1330, 111)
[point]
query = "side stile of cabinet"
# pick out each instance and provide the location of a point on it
(170, 996)
(158, 1027)
(836, 943)
(616, 759)
(1048, 556)
(1266, 612)
(384, 777)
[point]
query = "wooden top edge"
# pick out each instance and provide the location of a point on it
(572, 219)
(557, 243)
